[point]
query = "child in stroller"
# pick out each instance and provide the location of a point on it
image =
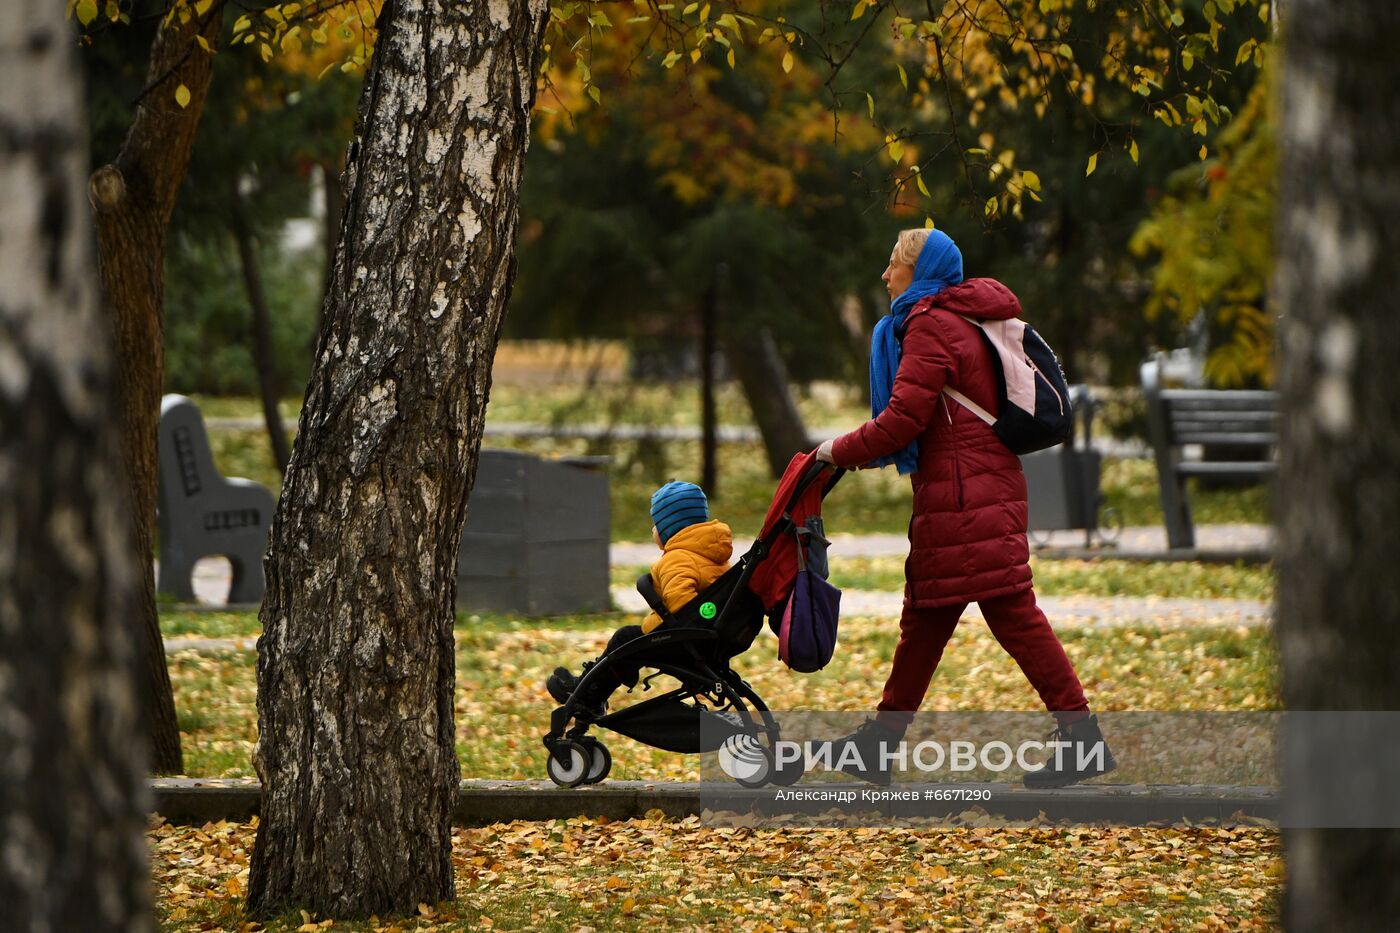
(695, 553)
(711, 612)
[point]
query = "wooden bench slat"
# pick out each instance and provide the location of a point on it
(1214, 397)
(1222, 468)
(1201, 414)
(1223, 427)
(1224, 438)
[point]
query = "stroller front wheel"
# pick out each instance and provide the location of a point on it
(569, 764)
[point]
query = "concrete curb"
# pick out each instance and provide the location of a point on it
(481, 802)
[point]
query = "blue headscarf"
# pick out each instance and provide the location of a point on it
(939, 265)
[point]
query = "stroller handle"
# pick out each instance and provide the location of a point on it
(813, 473)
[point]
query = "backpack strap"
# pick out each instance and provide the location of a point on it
(970, 405)
(963, 400)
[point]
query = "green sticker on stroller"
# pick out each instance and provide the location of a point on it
(707, 610)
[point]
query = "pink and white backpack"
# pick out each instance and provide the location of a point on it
(1033, 410)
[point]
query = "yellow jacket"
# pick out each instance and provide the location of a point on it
(691, 560)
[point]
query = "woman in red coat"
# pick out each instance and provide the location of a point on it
(968, 532)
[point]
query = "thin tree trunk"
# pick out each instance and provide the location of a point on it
(1338, 501)
(355, 667)
(72, 756)
(132, 199)
(260, 332)
(755, 360)
(709, 326)
(334, 211)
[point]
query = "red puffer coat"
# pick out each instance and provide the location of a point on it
(968, 534)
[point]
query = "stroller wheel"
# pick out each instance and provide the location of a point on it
(575, 771)
(600, 763)
(746, 760)
(786, 774)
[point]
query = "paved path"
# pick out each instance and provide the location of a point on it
(1137, 540)
(1063, 611)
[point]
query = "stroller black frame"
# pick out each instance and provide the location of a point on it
(575, 757)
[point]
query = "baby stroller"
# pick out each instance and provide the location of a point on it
(713, 705)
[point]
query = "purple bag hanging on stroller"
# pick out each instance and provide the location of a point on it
(807, 628)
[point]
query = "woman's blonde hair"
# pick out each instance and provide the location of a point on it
(910, 244)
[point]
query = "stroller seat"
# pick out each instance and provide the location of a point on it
(713, 705)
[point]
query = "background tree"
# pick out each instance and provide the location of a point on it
(1211, 238)
(278, 124)
(1336, 281)
(133, 197)
(72, 773)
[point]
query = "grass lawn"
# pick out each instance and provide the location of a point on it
(1064, 578)
(502, 709)
(645, 874)
(868, 501)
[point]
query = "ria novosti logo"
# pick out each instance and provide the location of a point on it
(745, 759)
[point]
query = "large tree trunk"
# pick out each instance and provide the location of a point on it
(1338, 499)
(355, 667)
(260, 332)
(133, 198)
(72, 759)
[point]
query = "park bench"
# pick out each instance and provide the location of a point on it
(1203, 418)
(203, 514)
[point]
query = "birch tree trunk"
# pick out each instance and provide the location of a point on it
(355, 669)
(133, 198)
(1338, 498)
(72, 760)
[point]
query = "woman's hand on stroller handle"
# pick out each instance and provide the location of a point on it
(824, 452)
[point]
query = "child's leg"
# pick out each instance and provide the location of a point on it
(606, 681)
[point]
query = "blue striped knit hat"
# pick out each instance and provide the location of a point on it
(678, 505)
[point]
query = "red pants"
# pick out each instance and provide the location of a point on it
(1019, 626)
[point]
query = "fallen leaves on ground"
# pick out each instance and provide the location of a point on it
(502, 709)
(585, 873)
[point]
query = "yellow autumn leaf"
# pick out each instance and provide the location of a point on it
(1133, 151)
(1031, 180)
(787, 61)
(182, 96)
(86, 11)
(1093, 164)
